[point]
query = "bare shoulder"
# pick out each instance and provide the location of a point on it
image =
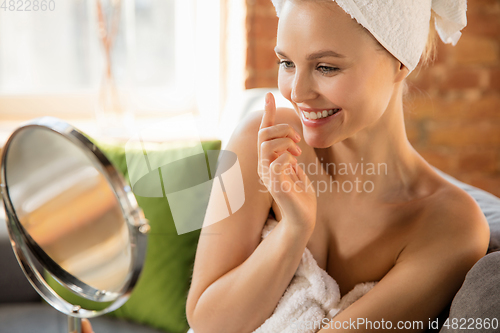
(449, 235)
(451, 227)
(460, 214)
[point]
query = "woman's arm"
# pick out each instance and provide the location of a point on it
(428, 273)
(237, 279)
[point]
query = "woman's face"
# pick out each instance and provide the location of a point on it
(328, 61)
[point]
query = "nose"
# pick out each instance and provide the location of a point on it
(302, 88)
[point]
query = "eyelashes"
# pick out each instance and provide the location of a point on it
(328, 69)
(285, 64)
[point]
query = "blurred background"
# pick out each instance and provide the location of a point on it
(104, 64)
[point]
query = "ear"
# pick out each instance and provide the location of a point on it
(401, 72)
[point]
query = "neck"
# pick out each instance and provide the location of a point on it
(377, 161)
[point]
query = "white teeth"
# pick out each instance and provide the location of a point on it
(319, 114)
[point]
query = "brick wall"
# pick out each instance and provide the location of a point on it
(452, 110)
(261, 66)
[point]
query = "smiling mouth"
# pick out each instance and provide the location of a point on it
(313, 115)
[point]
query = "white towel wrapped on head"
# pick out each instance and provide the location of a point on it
(402, 26)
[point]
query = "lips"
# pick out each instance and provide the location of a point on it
(313, 115)
(318, 117)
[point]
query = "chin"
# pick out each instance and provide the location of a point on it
(319, 142)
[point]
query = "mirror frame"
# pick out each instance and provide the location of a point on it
(138, 227)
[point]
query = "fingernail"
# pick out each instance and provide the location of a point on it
(267, 99)
(300, 150)
(297, 137)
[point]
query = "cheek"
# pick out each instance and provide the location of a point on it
(363, 93)
(285, 85)
(346, 91)
(377, 84)
(341, 91)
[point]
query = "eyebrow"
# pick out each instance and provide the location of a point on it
(315, 55)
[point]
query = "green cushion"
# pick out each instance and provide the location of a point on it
(159, 298)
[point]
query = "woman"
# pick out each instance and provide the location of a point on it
(402, 225)
(412, 231)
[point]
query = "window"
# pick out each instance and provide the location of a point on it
(166, 56)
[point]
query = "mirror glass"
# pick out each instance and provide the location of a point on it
(67, 208)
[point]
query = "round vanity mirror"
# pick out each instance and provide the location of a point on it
(71, 217)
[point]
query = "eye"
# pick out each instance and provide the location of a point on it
(327, 69)
(285, 64)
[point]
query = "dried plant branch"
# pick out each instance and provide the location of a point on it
(109, 97)
(107, 37)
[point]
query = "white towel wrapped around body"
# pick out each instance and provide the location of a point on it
(311, 296)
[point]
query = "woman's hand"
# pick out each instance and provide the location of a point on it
(86, 327)
(280, 173)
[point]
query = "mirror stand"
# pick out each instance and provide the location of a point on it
(74, 324)
(71, 215)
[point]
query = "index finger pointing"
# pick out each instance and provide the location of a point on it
(270, 112)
